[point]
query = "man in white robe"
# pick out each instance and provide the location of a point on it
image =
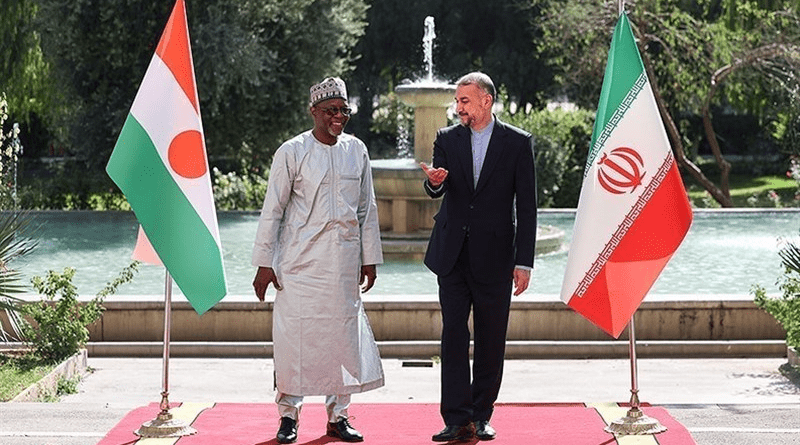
(318, 239)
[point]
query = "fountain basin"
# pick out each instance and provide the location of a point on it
(412, 246)
(426, 94)
(430, 101)
(403, 205)
(406, 212)
(398, 177)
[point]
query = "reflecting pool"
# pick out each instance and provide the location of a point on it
(725, 252)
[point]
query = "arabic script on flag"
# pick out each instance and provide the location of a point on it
(633, 211)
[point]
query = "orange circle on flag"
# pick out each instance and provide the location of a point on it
(186, 154)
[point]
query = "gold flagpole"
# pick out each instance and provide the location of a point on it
(164, 425)
(635, 422)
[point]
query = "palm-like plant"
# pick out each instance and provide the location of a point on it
(785, 309)
(790, 255)
(16, 240)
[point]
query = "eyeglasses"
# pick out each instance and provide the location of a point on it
(333, 111)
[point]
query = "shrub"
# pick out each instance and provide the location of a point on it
(561, 139)
(64, 185)
(786, 308)
(60, 328)
(61, 321)
(233, 191)
(391, 134)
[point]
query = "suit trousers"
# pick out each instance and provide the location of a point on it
(462, 400)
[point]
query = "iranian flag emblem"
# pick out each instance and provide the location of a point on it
(160, 164)
(633, 211)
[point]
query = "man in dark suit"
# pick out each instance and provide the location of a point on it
(483, 241)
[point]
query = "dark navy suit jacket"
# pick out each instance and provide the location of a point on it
(497, 217)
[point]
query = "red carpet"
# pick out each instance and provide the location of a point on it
(385, 424)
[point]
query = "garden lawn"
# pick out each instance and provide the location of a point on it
(18, 373)
(750, 191)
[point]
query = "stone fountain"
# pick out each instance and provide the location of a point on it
(404, 209)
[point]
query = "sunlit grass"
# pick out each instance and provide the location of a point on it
(18, 373)
(750, 191)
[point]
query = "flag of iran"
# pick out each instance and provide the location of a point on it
(633, 211)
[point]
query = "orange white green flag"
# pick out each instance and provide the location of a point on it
(633, 211)
(160, 164)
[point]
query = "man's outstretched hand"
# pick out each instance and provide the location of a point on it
(436, 176)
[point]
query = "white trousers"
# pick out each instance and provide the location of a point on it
(335, 405)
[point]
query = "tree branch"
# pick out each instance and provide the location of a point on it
(758, 55)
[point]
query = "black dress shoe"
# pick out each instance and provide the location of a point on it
(287, 433)
(452, 433)
(484, 431)
(343, 430)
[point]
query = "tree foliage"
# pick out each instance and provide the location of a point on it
(23, 72)
(60, 319)
(72, 68)
(561, 143)
(682, 44)
(254, 62)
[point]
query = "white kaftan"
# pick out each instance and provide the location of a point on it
(319, 224)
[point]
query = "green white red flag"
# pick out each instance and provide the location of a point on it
(633, 211)
(160, 164)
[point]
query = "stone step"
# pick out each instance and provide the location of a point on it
(428, 351)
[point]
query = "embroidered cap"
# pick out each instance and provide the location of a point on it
(330, 88)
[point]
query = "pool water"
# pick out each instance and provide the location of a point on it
(725, 252)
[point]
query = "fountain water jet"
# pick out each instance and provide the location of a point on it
(405, 211)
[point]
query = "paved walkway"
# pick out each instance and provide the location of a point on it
(721, 401)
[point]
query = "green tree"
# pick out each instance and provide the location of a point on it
(254, 62)
(681, 53)
(23, 72)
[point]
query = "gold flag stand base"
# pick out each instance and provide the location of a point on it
(635, 423)
(164, 425)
